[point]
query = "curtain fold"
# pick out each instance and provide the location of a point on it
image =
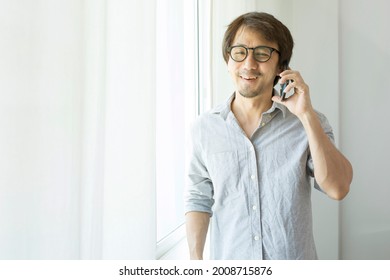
(77, 124)
(129, 226)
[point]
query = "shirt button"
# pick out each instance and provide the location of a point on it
(256, 238)
(254, 207)
(253, 177)
(263, 124)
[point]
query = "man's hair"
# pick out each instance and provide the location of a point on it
(267, 25)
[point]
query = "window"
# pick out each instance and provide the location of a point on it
(176, 107)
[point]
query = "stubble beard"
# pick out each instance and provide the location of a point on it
(249, 94)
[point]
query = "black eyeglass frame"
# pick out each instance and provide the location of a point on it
(253, 49)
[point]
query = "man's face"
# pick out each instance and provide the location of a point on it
(253, 78)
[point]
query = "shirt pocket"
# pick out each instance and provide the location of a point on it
(224, 171)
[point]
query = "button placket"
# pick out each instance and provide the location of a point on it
(254, 206)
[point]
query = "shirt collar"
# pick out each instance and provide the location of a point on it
(224, 108)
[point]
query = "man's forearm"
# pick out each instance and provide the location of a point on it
(197, 224)
(332, 170)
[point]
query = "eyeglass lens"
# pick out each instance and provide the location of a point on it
(261, 54)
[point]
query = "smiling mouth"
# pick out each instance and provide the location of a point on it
(248, 78)
(249, 75)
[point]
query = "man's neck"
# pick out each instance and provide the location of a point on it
(248, 111)
(251, 108)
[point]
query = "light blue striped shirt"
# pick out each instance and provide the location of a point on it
(257, 190)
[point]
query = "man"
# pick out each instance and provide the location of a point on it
(252, 158)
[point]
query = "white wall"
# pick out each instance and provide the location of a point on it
(365, 133)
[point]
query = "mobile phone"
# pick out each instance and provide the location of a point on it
(282, 92)
(284, 85)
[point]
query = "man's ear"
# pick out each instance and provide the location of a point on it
(280, 68)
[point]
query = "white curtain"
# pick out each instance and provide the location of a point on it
(77, 124)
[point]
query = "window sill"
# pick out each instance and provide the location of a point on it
(173, 246)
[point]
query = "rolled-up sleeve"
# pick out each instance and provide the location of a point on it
(198, 194)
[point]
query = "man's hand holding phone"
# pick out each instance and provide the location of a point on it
(299, 102)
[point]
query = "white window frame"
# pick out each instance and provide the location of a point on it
(201, 47)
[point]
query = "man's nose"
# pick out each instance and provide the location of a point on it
(250, 62)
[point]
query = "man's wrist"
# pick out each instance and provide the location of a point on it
(307, 116)
(196, 257)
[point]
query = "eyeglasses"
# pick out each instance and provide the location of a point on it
(260, 53)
